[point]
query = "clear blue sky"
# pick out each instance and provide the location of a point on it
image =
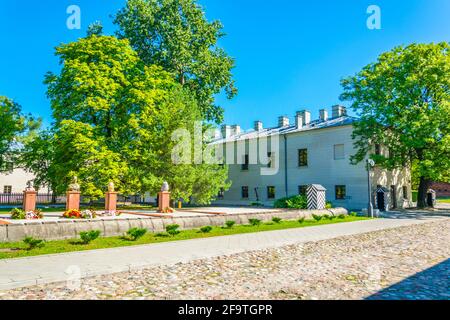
(290, 54)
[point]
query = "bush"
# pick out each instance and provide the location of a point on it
(341, 216)
(256, 204)
(89, 236)
(206, 229)
(317, 217)
(295, 202)
(230, 224)
(254, 222)
(135, 233)
(172, 229)
(276, 220)
(301, 220)
(353, 214)
(328, 205)
(17, 214)
(33, 243)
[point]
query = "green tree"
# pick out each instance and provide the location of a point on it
(176, 35)
(114, 119)
(15, 128)
(403, 101)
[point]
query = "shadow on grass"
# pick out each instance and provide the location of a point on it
(430, 284)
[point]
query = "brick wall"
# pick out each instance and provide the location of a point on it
(442, 189)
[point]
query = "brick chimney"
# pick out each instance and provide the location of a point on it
(226, 131)
(258, 126)
(339, 111)
(283, 122)
(323, 115)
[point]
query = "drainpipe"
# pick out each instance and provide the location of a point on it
(285, 166)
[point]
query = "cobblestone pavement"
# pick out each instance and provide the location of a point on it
(403, 263)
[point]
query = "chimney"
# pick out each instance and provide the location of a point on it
(339, 111)
(299, 120)
(323, 114)
(283, 122)
(306, 116)
(258, 126)
(226, 131)
(236, 130)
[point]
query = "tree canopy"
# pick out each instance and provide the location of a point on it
(14, 128)
(176, 35)
(114, 117)
(403, 101)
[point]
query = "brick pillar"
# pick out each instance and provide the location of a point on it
(163, 201)
(29, 200)
(111, 201)
(73, 200)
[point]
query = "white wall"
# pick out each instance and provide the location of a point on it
(17, 179)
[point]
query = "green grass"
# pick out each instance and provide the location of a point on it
(17, 249)
(443, 200)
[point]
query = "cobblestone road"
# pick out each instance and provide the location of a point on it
(403, 263)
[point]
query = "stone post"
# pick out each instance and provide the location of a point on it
(111, 201)
(164, 198)
(73, 200)
(29, 200)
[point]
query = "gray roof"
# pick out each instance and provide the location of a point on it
(318, 187)
(314, 125)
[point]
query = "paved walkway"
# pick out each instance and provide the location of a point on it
(15, 273)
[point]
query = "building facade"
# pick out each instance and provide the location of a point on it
(15, 181)
(307, 152)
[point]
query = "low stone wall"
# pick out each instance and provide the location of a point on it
(70, 229)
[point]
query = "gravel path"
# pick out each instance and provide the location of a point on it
(404, 263)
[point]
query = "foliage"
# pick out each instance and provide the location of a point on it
(230, 223)
(114, 121)
(329, 205)
(172, 229)
(15, 129)
(317, 217)
(89, 236)
(176, 35)
(353, 214)
(17, 214)
(276, 219)
(294, 202)
(206, 229)
(403, 102)
(341, 216)
(77, 214)
(254, 222)
(135, 233)
(301, 220)
(33, 243)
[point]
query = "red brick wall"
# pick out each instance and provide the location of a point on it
(442, 189)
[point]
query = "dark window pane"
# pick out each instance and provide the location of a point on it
(303, 157)
(271, 192)
(245, 192)
(340, 192)
(245, 164)
(302, 190)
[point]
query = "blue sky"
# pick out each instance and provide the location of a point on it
(290, 54)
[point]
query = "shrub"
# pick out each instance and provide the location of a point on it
(206, 229)
(33, 243)
(276, 220)
(353, 214)
(230, 224)
(135, 233)
(256, 204)
(295, 202)
(341, 216)
(301, 220)
(89, 236)
(17, 214)
(172, 229)
(328, 205)
(317, 217)
(254, 222)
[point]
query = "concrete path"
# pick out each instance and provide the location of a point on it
(23, 272)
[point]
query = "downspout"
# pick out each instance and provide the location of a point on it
(285, 166)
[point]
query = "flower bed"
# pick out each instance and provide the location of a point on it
(19, 214)
(77, 214)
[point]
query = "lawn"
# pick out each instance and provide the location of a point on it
(443, 200)
(18, 249)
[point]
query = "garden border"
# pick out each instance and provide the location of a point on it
(70, 229)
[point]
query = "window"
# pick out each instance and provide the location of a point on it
(270, 157)
(302, 190)
(244, 192)
(340, 192)
(378, 150)
(339, 153)
(7, 189)
(405, 192)
(221, 193)
(303, 157)
(271, 192)
(245, 164)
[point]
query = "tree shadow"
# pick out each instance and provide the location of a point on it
(430, 284)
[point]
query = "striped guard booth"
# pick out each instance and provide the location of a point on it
(316, 195)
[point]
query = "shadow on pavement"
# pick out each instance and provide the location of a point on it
(431, 284)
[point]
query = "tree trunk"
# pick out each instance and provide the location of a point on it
(422, 196)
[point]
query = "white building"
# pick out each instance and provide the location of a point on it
(307, 152)
(15, 181)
